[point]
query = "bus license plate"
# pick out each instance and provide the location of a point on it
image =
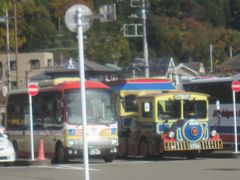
(194, 146)
(94, 151)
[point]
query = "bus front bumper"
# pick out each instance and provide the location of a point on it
(92, 151)
(185, 146)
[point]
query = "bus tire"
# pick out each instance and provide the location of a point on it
(109, 158)
(60, 154)
(133, 150)
(123, 149)
(144, 148)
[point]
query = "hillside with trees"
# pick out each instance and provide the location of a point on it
(182, 29)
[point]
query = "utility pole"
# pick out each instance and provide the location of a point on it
(145, 45)
(5, 19)
(133, 30)
(8, 51)
(211, 61)
(230, 49)
(16, 40)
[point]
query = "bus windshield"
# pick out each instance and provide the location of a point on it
(195, 109)
(191, 109)
(99, 106)
(169, 109)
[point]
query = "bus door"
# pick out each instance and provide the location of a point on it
(48, 121)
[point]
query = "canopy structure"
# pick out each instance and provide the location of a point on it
(142, 84)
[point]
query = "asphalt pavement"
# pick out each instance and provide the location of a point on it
(229, 153)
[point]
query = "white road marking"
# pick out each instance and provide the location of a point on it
(66, 167)
(80, 166)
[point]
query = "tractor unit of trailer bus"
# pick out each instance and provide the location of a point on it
(154, 118)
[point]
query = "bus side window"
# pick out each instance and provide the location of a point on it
(160, 111)
(15, 111)
(52, 104)
(130, 103)
(37, 106)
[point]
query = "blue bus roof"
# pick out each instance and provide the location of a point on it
(142, 84)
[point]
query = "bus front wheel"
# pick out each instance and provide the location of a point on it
(109, 158)
(61, 157)
(144, 148)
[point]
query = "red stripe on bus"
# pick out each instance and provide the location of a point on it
(229, 137)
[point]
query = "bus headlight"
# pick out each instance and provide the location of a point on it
(171, 134)
(213, 133)
(71, 143)
(114, 142)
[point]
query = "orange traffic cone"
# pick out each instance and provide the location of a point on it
(41, 155)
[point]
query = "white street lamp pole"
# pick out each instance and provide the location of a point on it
(78, 19)
(83, 93)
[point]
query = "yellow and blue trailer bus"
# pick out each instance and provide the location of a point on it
(163, 120)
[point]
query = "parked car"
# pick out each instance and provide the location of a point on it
(7, 153)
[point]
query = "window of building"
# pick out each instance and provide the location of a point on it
(50, 62)
(35, 63)
(13, 65)
(13, 84)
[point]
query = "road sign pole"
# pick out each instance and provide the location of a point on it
(83, 93)
(32, 91)
(31, 126)
(235, 88)
(235, 123)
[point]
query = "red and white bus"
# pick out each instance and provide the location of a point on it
(57, 120)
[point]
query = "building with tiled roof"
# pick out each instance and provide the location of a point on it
(158, 67)
(230, 67)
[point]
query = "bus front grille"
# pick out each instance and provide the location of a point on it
(185, 146)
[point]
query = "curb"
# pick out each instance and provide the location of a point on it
(29, 162)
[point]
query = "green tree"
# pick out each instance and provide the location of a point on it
(4, 5)
(217, 11)
(36, 26)
(106, 47)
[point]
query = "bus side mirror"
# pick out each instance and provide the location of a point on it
(218, 110)
(218, 105)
